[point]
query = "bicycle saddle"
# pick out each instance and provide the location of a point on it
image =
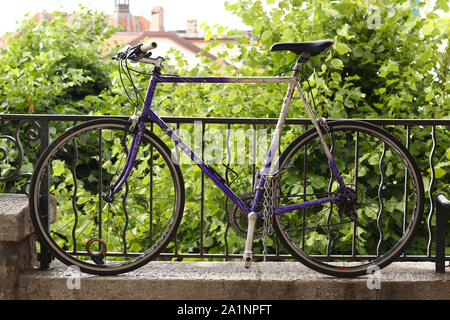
(312, 47)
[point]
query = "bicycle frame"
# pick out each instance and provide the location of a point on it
(147, 114)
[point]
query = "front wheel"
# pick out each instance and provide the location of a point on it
(105, 235)
(350, 238)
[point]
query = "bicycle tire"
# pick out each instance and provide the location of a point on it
(154, 162)
(323, 251)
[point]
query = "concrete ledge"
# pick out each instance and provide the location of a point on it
(193, 280)
(231, 281)
(15, 222)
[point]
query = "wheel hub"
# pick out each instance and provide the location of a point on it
(108, 196)
(348, 204)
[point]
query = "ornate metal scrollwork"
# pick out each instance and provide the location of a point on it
(31, 134)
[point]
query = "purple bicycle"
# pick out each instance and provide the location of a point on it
(344, 197)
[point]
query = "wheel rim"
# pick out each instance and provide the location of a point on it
(135, 226)
(318, 236)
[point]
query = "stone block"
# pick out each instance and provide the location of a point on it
(15, 257)
(17, 241)
(15, 221)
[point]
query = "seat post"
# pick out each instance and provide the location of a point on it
(304, 56)
(297, 68)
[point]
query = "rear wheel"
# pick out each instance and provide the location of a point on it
(100, 234)
(347, 238)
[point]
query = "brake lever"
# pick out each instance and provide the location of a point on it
(122, 53)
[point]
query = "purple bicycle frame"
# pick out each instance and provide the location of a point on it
(148, 113)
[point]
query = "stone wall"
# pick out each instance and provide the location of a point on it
(17, 242)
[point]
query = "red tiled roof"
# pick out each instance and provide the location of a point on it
(131, 23)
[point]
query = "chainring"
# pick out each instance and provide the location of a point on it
(238, 220)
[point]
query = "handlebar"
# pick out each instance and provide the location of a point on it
(140, 53)
(149, 45)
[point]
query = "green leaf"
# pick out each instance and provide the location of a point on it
(392, 66)
(439, 173)
(266, 35)
(380, 91)
(358, 52)
(442, 4)
(429, 96)
(427, 55)
(342, 48)
(427, 29)
(337, 63)
(237, 109)
(336, 76)
(288, 35)
(59, 168)
(258, 25)
(332, 12)
(343, 32)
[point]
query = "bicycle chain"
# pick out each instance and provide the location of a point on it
(267, 213)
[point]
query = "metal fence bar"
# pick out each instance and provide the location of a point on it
(430, 190)
(178, 155)
(442, 210)
(202, 193)
(45, 256)
(405, 193)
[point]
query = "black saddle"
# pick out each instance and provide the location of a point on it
(311, 47)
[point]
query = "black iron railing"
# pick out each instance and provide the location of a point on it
(442, 214)
(38, 130)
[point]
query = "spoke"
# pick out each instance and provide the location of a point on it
(70, 196)
(131, 231)
(136, 178)
(136, 219)
(62, 228)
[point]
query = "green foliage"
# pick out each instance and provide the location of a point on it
(51, 66)
(395, 68)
